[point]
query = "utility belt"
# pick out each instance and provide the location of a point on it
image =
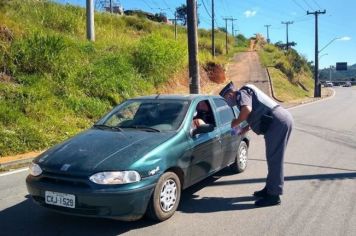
(266, 120)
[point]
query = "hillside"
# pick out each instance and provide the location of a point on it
(54, 83)
(290, 72)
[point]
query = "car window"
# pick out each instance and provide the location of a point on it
(203, 114)
(163, 115)
(124, 114)
(224, 111)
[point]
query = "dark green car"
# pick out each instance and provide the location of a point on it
(138, 158)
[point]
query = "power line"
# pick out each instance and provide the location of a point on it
(308, 5)
(206, 9)
(155, 3)
(300, 6)
(147, 4)
(317, 4)
(224, 6)
(169, 8)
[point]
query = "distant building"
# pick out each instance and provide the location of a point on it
(109, 5)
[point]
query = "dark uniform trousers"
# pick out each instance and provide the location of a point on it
(276, 139)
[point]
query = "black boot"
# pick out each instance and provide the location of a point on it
(268, 200)
(261, 193)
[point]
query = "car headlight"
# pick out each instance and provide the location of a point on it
(35, 170)
(115, 177)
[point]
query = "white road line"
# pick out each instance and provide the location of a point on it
(317, 101)
(14, 172)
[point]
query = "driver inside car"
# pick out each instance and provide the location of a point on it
(202, 115)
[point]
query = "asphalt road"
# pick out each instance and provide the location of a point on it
(319, 199)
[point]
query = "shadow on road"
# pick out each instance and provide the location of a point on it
(309, 165)
(190, 203)
(26, 218)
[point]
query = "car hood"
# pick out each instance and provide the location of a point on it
(100, 150)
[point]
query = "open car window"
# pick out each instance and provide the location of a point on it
(203, 114)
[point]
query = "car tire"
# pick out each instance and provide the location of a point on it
(240, 163)
(165, 198)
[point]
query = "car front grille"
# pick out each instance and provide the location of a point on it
(64, 180)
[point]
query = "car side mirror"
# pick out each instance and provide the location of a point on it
(203, 129)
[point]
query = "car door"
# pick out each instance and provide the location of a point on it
(206, 148)
(229, 143)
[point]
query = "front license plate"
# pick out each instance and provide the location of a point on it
(60, 199)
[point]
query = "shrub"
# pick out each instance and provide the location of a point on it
(37, 53)
(113, 78)
(157, 58)
(63, 19)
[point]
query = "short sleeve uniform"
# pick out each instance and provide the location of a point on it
(244, 98)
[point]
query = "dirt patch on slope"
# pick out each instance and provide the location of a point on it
(215, 72)
(210, 77)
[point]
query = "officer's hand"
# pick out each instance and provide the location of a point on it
(245, 129)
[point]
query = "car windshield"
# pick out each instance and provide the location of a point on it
(153, 115)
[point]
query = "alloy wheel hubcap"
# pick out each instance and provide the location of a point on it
(243, 157)
(168, 195)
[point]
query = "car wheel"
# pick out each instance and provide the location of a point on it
(165, 198)
(240, 163)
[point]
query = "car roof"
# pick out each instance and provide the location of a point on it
(187, 97)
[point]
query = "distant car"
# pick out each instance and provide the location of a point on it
(138, 158)
(329, 84)
(347, 84)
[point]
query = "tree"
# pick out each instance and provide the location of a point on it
(182, 14)
(222, 29)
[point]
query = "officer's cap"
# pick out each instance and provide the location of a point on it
(229, 87)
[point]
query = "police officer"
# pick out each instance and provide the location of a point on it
(265, 117)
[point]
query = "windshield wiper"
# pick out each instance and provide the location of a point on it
(146, 128)
(101, 126)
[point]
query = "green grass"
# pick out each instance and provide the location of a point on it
(61, 83)
(287, 91)
(290, 73)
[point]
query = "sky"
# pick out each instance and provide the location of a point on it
(336, 26)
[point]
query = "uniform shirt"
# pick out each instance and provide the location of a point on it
(244, 98)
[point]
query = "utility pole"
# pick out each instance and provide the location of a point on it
(110, 6)
(90, 20)
(226, 46)
(236, 37)
(287, 24)
(212, 28)
(232, 32)
(317, 85)
(194, 83)
(232, 26)
(175, 24)
(267, 26)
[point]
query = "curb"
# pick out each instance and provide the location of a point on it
(16, 162)
(271, 87)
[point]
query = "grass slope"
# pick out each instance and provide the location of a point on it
(54, 83)
(290, 73)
